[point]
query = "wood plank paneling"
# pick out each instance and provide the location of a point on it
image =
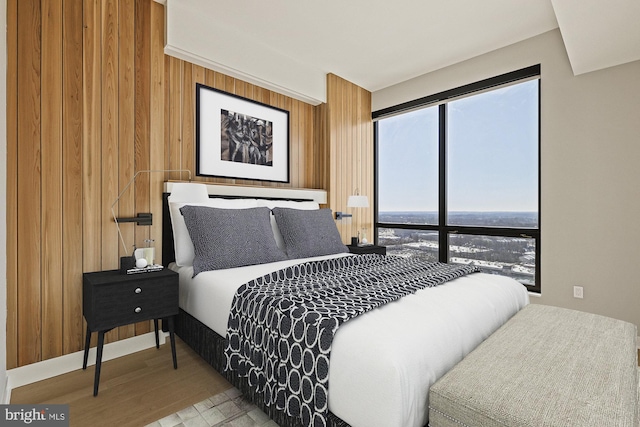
(91, 138)
(12, 184)
(189, 119)
(156, 121)
(109, 127)
(321, 148)
(29, 184)
(72, 146)
(52, 182)
(174, 148)
(91, 100)
(91, 134)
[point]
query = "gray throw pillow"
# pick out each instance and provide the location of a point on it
(227, 238)
(309, 233)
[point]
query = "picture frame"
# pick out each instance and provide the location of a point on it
(239, 138)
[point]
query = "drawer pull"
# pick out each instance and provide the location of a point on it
(138, 290)
(138, 310)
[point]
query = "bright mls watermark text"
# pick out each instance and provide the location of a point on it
(35, 415)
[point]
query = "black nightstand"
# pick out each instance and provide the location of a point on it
(368, 249)
(111, 299)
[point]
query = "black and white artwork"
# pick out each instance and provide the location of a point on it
(240, 138)
(246, 139)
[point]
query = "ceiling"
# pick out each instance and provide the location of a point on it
(290, 45)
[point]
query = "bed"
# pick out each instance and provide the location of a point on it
(382, 362)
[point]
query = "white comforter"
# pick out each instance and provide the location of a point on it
(384, 361)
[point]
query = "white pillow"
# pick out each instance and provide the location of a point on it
(182, 244)
(306, 206)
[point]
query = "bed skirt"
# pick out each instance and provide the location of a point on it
(210, 346)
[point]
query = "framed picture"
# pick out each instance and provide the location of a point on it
(240, 138)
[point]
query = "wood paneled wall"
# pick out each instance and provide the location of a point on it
(91, 99)
(348, 132)
(85, 107)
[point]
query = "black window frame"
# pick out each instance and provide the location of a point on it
(444, 230)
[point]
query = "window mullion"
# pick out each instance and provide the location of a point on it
(376, 165)
(443, 236)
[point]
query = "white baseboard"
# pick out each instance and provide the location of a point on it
(6, 393)
(50, 368)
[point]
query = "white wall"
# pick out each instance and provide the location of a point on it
(265, 66)
(590, 170)
(3, 196)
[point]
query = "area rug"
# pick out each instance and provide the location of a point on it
(227, 409)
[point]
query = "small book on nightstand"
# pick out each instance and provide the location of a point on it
(147, 269)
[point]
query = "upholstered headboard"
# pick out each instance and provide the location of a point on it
(232, 192)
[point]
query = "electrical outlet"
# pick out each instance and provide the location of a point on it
(578, 292)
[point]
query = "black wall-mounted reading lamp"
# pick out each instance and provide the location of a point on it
(140, 219)
(342, 215)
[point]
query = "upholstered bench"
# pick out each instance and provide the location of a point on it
(546, 366)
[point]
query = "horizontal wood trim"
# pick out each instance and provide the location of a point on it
(316, 195)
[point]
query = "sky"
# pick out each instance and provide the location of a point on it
(492, 154)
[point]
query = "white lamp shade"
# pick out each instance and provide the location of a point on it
(358, 202)
(188, 192)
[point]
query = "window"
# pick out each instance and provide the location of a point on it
(457, 176)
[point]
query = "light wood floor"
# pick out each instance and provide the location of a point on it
(135, 390)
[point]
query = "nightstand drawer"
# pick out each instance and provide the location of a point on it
(133, 299)
(121, 304)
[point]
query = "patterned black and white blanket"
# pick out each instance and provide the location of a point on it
(281, 326)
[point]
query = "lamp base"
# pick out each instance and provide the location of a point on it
(127, 263)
